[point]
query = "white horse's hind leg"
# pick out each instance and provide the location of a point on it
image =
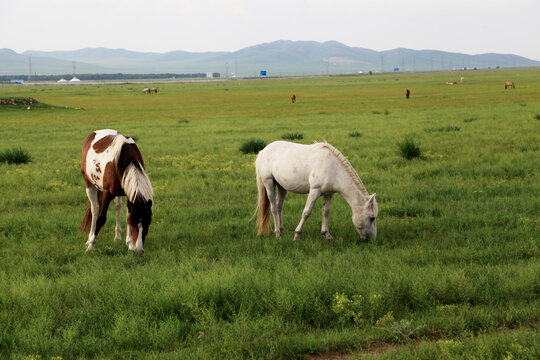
(271, 193)
(325, 215)
(312, 197)
(118, 229)
(281, 199)
(91, 192)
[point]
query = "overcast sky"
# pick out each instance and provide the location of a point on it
(466, 26)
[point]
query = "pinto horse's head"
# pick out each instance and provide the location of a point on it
(365, 219)
(138, 222)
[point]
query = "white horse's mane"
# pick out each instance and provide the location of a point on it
(346, 164)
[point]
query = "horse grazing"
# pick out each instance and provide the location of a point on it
(112, 166)
(293, 98)
(407, 93)
(319, 170)
(509, 84)
(146, 90)
(153, 90)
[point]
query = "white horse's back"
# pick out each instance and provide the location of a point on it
(297, 167)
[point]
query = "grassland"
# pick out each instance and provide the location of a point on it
(453, 273)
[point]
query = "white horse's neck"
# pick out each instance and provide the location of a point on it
(351, 187)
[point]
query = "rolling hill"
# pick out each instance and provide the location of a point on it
(283, 57)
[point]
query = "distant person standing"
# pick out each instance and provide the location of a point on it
(407, 93)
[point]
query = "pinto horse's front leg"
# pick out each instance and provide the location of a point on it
(91, 192)
(312, 197)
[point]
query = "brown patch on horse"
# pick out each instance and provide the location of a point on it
(103, 144)
(86, 146)
(98, 167)
(111, 180)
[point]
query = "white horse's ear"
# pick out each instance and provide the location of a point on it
(371, 204)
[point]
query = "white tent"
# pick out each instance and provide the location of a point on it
(62, 80)
(74, 79)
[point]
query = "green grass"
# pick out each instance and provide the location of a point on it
(455, 266)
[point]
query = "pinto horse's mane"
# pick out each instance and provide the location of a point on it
(130, 164)
(346, 164)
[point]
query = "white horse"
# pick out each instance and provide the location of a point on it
(318, 169)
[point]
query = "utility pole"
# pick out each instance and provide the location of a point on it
(30, 68)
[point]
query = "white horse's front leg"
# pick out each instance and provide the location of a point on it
(312, 197)
(118, 229)
(91, 192)
(325, 215)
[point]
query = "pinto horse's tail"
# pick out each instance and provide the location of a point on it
(263, 204)
(87, 220)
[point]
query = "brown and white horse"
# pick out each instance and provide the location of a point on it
(112, 166)
(509, 84)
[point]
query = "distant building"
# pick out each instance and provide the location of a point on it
(209, 75)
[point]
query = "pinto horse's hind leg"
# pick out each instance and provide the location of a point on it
(312, 197)
(325, 215)
(118, 228)
(91, 192)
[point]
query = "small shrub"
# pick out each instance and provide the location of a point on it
(375, 112)
(360, 310)
(135, 138)
(252, 146)
(293, 136)
(537, 116)
(470, 119)
(15, 156)
(409, 149)
(355, 134)
(404, 330)
(183, 121)
(443, 129)
(523, 105)
(386, 112)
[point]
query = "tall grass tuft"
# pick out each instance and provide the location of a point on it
(293, 136)
(252, 146)
(537, 116)
(355, 134)
(409, 149)
(15, 156)
(470, 119)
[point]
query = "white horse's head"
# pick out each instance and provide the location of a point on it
(365, 218)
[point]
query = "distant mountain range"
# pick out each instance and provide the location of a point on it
(283, 57)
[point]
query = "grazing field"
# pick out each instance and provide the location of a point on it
(454, 271)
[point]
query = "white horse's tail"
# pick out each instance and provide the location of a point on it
(263, 204)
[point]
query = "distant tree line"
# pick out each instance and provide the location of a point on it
(117, 76)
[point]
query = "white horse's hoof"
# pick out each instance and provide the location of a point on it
(296, 235)
(327, 235)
